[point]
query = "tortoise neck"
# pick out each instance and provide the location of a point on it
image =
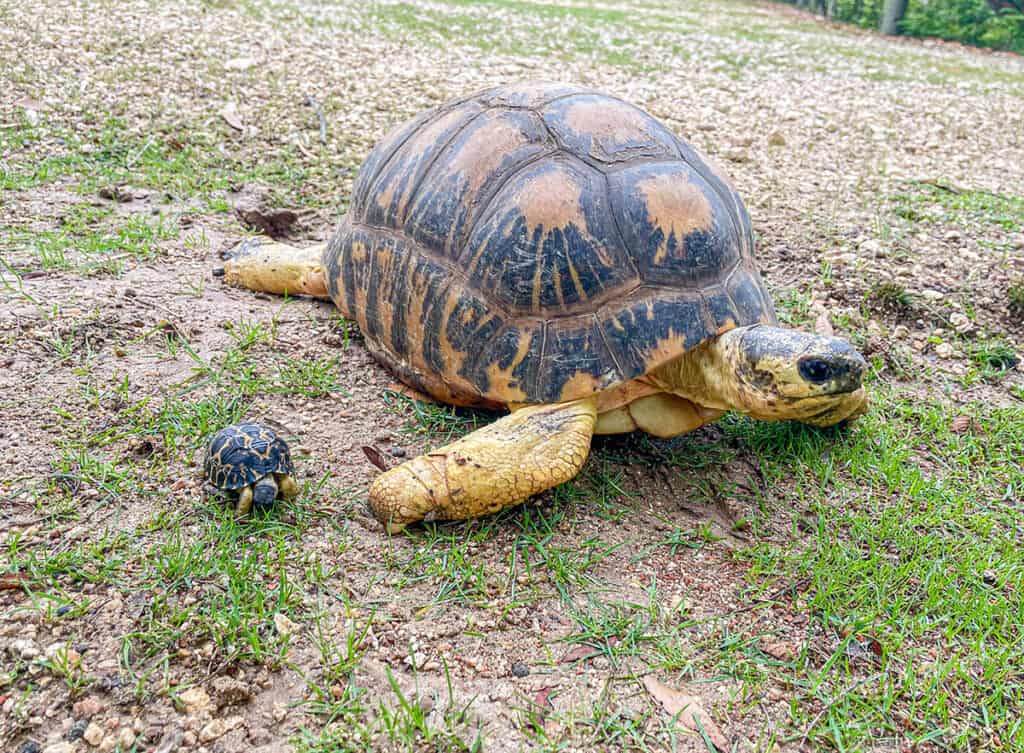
(705, 375)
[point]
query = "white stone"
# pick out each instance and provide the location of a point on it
(194, 700)
(961, 323)
(93, 734)
(214, 729)
(24, 648)
(284, 625)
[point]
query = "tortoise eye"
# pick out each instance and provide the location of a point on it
(816, 370)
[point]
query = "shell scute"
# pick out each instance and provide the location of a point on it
(530, 93)
(608, 130)
(388, 200)
(676, 224)
(654, 330)
(576, 361)
(547, 244)
(477, 159)
(722, 309)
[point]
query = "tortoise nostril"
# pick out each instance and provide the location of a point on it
(816, 370)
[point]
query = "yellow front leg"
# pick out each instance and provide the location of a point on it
(244, 501)
(530, 450)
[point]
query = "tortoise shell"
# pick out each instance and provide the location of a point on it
(241, 454)
(537, 243)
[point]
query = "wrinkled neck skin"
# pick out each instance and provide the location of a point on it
(718, 375)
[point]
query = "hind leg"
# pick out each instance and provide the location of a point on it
(261, 264)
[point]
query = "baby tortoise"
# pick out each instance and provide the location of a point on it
(252, 460)
(559, 253)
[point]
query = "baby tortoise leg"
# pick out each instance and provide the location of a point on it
(497, 466)
(244, 501)
(261, 264)
(289, 489)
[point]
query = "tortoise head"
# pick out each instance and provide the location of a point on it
(779, 374)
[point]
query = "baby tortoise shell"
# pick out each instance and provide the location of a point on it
(242, 454)
(539, 243)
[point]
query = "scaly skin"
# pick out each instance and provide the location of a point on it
(757, 370)
(499, 465)
(262, 264)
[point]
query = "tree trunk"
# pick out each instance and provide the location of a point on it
(892, 15)
(832, 9)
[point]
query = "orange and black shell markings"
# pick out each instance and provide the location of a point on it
(539, 242)
(242, 454)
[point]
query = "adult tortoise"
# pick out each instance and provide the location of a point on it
(560, 253)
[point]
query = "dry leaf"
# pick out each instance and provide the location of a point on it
(584, 651)
(690, 712)
(863, 649)
(231, 117)
(374, 456)
(540, 707)
(962, 424)
(781, 650)
(13, 581)
(823, 326)
(578, 653)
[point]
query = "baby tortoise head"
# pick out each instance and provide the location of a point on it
(791, 375)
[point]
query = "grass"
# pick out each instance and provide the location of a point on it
(939, 203)
(902, 560)
(910, 578)
(890, 297)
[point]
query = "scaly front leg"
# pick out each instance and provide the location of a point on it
(244, 501)
(532, 449)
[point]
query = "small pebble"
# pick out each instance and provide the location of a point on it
(989, 576)
(520, 670)
(29, 746)
(398, 452)
(77, 730)
(93, 734)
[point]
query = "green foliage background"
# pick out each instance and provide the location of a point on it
(970, 21)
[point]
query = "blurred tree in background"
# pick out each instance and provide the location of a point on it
(987, 23)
